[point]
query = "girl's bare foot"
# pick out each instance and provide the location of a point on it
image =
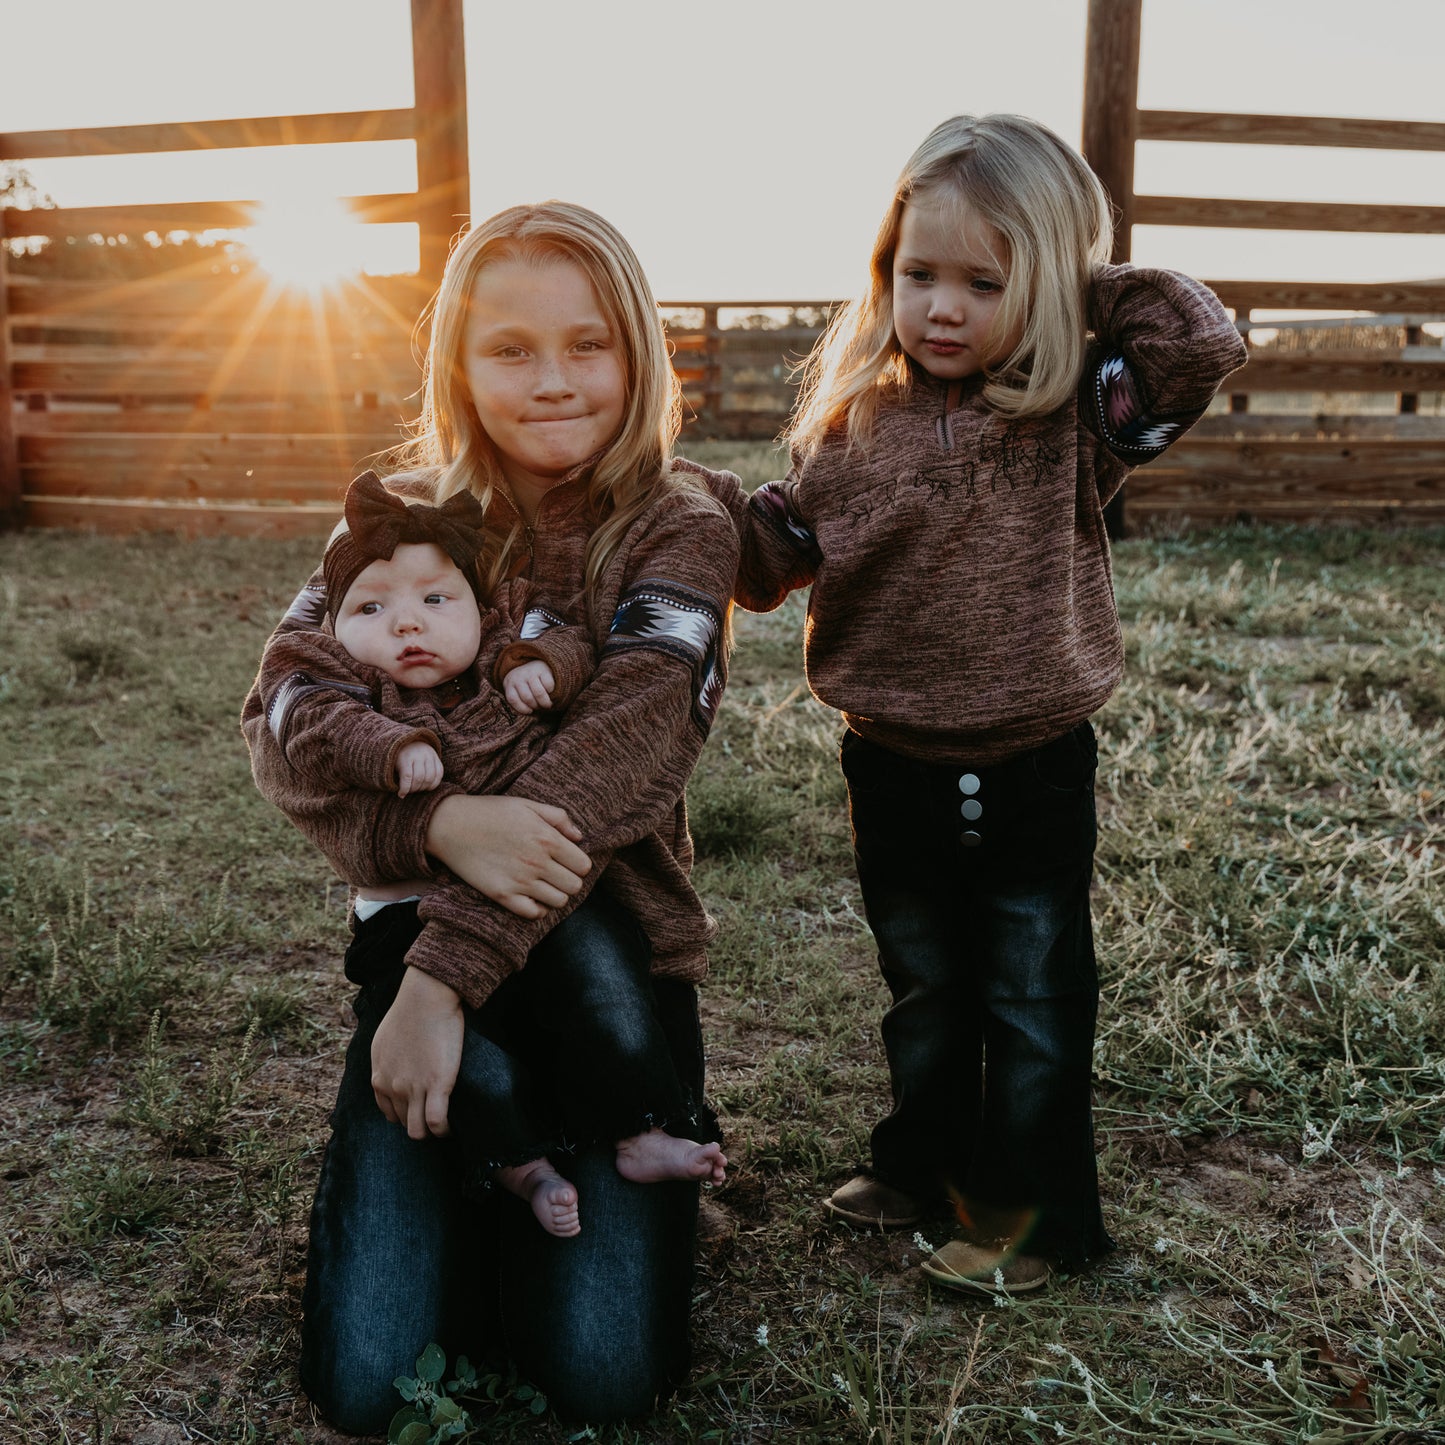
(654, 1156)
(553, 1199)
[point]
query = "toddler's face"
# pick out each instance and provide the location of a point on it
(413, 616)
(949, 274)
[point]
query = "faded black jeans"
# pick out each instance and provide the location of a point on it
(975, 881)
(401, 1253)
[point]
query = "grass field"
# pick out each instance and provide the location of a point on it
(1271, 1062)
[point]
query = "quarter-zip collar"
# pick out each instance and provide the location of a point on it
(941, 399)
(555, 505)
(952, 396)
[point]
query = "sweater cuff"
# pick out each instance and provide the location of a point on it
(401, 828)
(567, 651)
(457, 959)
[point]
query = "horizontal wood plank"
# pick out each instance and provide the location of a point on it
(210, 484)
(337, 127)
(1336, 371)
(1287, 215)
(377, 426)
(1412, 430)
(65, 221)
(262, 324)
(1375, 462)
(1290, 130)
(261, 352)
(244, 376)
(182, 450)
(193, 520)
(187, 292)
(1365, 512)
(1327, 489)
(1425, 297)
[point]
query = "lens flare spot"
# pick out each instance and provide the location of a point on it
(307, 243)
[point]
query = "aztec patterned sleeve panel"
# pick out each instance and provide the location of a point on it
(1163, 344)
(308, 608)
(681, 622)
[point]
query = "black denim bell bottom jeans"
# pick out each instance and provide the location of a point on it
(975, 881)
(404, 1250)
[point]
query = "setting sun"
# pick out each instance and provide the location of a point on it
(307, 242)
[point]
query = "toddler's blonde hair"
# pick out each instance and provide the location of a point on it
(1053, 217)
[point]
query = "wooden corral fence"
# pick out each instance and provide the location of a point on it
(735, 360)
(1286, 448)
(204, 401)
(215, 402)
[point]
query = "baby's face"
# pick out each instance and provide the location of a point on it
(413, 616)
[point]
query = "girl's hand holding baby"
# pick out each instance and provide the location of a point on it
(418, 769)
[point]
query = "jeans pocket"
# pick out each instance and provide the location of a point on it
(1068, 765)
(855, 757)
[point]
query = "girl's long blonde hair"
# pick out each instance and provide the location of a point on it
(1039, 194)
(632, 471)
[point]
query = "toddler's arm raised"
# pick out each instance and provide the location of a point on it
(1162, 345)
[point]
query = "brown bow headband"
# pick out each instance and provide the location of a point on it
(379, 521)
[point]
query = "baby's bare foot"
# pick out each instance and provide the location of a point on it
(553, 1199)
(654, 1156)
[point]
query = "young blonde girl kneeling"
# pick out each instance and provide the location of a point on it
(960, 430)
(550, 398)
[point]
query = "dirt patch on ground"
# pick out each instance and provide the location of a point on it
(1242, 1176)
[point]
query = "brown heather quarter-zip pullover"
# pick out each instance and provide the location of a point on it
(963, 606)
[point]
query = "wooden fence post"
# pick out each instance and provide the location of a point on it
(712, 393)
(10, 508)
(1111, 96)
(439, 76)
(1111, 126)
(1409, 400)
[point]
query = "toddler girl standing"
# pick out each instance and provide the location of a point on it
(959, 433)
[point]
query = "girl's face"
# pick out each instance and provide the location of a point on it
(412, 615)
(545, 371)
(949, 274)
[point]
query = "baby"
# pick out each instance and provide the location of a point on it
(406, 693)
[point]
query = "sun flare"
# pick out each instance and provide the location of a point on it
(308, 243)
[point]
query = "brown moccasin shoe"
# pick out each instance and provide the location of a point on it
(871, 1204)
(986, 1269)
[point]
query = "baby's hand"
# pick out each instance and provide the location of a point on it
(528, 688)
(418, 769)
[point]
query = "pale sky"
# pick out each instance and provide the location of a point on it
(746, 148)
